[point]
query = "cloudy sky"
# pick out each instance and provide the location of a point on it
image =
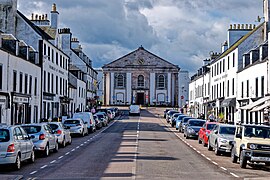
(180, 31)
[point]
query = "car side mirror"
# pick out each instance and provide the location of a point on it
(238, 136)
(215, 131)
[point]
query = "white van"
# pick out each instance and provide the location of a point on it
(87, 117)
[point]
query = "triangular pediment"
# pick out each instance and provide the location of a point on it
(140, 58)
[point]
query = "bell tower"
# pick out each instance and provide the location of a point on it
(8, 11)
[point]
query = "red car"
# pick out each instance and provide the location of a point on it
(204, 132)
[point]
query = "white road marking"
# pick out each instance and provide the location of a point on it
(67, 153)
(78, 147)
(53, 161)
(34, 172)
(73, 150)
(129, 135)
(81, 145)
(60, 157)
(199, 151)
(85, 142)
(223, 168)
(234, 175)
(194, 149)
(43, 167)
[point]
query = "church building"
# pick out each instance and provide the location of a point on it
(141, 77)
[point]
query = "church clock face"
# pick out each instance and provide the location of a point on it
(140, 61)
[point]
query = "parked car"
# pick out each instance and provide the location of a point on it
(165, 112)
(173, 119)
(110, 114)
(15, 146)
(205, 131)
(169, 114)
(134, 109)
(178, 120)
(102, 118)
(183, 123)
(112, 111)
(88, 118)
(251, 143)
(221, 138)
(98, 122)
(43, 137)
(77, 126)
(192, 128)
(62, 132)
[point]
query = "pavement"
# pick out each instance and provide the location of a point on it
(10, 177)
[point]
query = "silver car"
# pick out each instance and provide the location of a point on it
(221, 138)
(77, 126)
(62, 132)
(15, 146)
(43, 137)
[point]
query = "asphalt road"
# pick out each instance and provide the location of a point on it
(134, 147)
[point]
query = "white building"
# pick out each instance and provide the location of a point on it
(100, 86)
(20, 82)
(183, 88)
(141, 77)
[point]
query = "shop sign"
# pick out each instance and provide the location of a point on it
(18, 99)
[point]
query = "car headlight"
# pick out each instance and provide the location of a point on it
(253, 146)
(223, 140)
(191, 130)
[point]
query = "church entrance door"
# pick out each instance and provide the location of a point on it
(140, 99)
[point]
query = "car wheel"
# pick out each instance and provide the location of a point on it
(172, 125)
(64, 143)
(176, 128)
(217, 152)
(70, 141)
(199, 141)
(17, 164)
(46, 151)
(32, 157)
(209, 147)
(233, 156)
(243, 160)
(204, 143)
(56, 147)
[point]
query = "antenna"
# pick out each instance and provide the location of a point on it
(259, 19)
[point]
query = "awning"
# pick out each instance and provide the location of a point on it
(256, 103)
(261, 107)
(228, 102)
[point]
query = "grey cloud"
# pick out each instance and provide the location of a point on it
(184, 33)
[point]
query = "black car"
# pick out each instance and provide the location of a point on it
(165, 112)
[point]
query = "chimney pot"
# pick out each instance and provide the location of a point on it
(54, 7)
(46, 16)
(234, 26)
(230, 26)
(36, 17)
(32, 17)
(238, 26)
(242, 26)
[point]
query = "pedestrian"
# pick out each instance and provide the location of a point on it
(93, 110)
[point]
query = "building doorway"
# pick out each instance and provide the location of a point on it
(140, 98)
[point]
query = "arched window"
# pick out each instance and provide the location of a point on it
(140, 81)
(120, 80)
(161, 81)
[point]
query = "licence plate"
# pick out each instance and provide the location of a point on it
(260, 159)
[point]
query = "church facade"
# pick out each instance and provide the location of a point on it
(141, 77)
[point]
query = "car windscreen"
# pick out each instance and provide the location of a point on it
(72, 122)
(54, 126)
(32, 129)
(4, 135)
(180, 117)
(172, 112)
(227, 130)
(185, 120)
(196, 123)
(100, 116)
(258, 132)
(210, 126)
